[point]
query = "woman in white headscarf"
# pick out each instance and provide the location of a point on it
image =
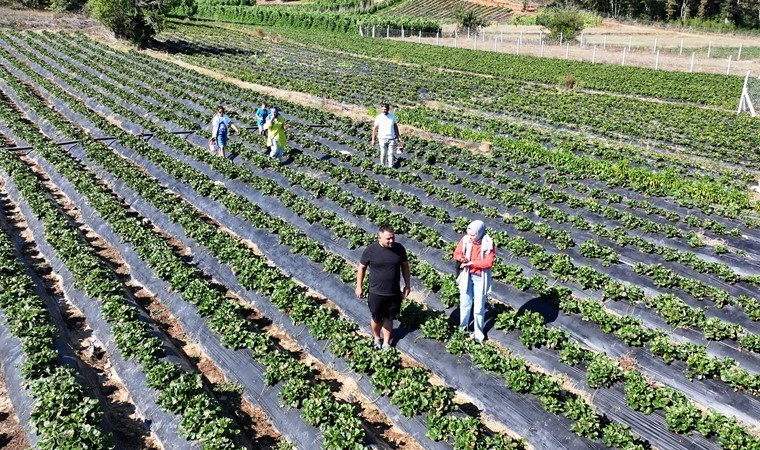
(476, 253)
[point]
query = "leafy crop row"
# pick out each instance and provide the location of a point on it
(63, 415)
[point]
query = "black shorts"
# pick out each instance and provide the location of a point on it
(384, 306)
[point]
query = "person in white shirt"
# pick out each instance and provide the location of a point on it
(219, 128)
(386, 133)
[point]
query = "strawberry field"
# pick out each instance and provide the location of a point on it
(625, 306)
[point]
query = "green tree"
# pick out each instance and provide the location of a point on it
(467, 18)
(134, 20)
(565, 22)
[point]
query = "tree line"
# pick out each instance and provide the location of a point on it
(718, 14)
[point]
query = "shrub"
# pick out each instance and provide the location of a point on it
(566, 23)
(135, 21)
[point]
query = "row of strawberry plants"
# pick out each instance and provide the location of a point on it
(63, 415)
(323, 323)
(180, 391)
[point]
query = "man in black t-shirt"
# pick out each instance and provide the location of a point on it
(387, 261)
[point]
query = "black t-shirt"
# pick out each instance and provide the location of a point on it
(385, 267)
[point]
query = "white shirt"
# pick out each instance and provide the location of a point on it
(385, 126)
(215, 123)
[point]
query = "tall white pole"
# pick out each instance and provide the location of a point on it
(630, 39)
(709, 48)
(680, 51)
(475, 43)
(373, 31)
(521, 37)
(624, 50)
(402, 32)
(436, 37)
(560, 39)
(657, 61)
(388, 31)
(518, 46)
(739, 56)
(581, 38)
(542, 48)
(419, 38)
(468, 32)
(654, 49)
(728, 69)
(605, 42)
(691, 69)
(593, 56)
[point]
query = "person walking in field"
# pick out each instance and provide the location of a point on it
(476, 253)
(385, 131)
(387, 262)
(261, 117)
(220, 126)
(276, 138)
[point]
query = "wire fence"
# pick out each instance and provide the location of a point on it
(595, 48)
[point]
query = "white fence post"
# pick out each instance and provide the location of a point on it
(604, 46)
(739, 56)
(402, 32)
(542, 48)
(373, 31)
(593, 56)
(475, 43)
(692, 62)
(388, 31)
(567, 52)
(728, 69)
(419, 39)
(436, 37)
(709, 48)
(560, 39)
(654, 49)
(630, 39)
(680, 51)
(455, 40)
(468, 32)
(520, 37)
(518, 46)
(657, 61)
(624, 50)
(581, 38)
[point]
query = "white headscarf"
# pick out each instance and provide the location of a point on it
(480, 237)
(486, 245)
